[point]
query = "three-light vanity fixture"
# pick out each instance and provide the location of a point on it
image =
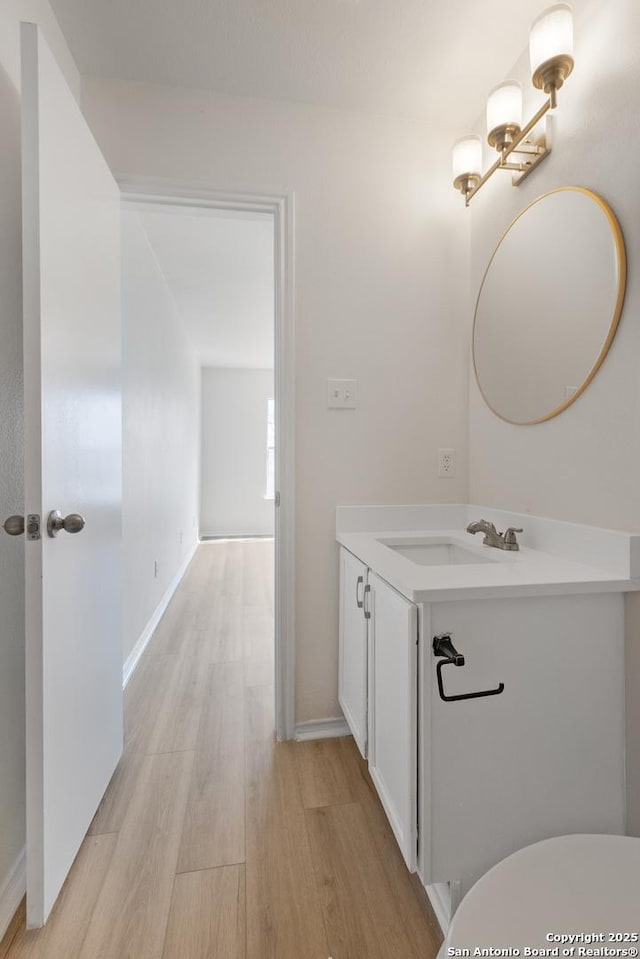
(551, 57)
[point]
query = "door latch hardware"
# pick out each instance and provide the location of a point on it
(33, 526)
(14, 525)
(442, 646)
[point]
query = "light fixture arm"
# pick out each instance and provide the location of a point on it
(527, 148)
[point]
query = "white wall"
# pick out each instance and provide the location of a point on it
(380, 277)
(585, 464)
(12, 741)
(161, 427)
(233, 452)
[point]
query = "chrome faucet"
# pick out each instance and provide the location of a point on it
(492, 537)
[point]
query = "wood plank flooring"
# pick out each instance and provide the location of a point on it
(213, 841)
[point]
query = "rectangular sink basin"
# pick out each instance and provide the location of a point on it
(430, 553)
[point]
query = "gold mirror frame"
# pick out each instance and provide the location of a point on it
(622, 283)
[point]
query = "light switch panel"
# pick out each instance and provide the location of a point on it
(342, 394)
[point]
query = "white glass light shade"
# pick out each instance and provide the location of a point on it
(467, 157)
(504, 105)
(551, 35)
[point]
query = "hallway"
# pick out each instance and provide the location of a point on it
(214, 841)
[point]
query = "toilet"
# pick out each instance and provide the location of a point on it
(581, 886)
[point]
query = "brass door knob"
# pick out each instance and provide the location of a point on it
(73, 523)
(14, 525)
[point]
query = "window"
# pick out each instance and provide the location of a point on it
(271, 450)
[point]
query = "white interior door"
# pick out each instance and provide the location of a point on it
(72, 347)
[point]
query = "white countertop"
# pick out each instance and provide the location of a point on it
(556, 569)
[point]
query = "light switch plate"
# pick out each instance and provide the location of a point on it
(342, 394)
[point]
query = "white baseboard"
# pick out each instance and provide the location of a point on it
(12, 891)
(132, 659)
(321, 729)
(235, 534)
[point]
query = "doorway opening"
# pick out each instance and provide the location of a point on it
(210, 242)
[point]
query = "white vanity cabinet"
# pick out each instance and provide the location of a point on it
(467, 779)
(393, 688)
(353, 657)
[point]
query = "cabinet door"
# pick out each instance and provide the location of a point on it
(544, 758)
(352, 670)
(393, 710)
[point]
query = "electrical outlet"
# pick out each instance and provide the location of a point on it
(155, 569)
(446, 463)
(342, 394)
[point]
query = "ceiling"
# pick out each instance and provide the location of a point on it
(219, 267)
(411, 58)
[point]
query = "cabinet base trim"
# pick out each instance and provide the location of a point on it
(321, 729)
(353, 727)
(440, 898)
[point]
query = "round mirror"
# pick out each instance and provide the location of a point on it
(549, 305)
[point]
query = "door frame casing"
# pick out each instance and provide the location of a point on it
(169, 192)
